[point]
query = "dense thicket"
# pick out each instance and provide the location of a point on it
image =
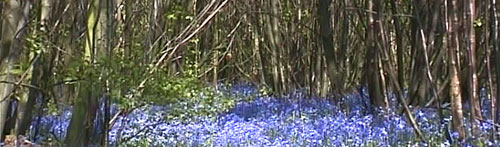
(82, 53)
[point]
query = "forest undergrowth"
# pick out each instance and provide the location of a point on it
(262, 120)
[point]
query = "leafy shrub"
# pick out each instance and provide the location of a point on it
(186, 97)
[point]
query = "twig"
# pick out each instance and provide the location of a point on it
(22, 78)
(181, 39)
(22, 84)
(493, 124)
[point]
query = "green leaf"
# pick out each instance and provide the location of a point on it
(478, 23)
(16, 71)
(171, 16)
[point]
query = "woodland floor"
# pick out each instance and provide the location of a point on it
(292, 120)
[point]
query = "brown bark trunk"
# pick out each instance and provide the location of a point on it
(453, 47)
(372, 67)
(473, 81)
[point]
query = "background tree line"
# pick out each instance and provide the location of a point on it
(68, 52)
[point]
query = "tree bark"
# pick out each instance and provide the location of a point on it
(372, 68)
(38, 75)
(473, 81)
(13, 24)
(274, 40)
(326, 33)
(399, 45)
(453, 47)
(84, 110)
(496, 48)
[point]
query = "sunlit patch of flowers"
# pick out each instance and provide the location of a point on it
(294, 120)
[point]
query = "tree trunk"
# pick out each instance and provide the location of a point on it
(419, 85)
(326, 33)
(84, 110)
(473, 81)
(399, 46)
(496, 47)
(16, 12)
(274, 40)
(453, 47)
(372, 67)
(26, 104)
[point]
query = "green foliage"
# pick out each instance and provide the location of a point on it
(478, 23)
(34, 43)
(35, 47)
(184, 95)
(264, 90)
(177, 12)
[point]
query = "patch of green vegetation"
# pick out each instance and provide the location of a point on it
(183, 94)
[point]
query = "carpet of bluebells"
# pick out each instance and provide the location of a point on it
(291, 120)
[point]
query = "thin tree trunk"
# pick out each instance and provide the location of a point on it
(26, 104)
(274, 42)
(258, 45)
(110, 7)
(326, 33)
(372, 72)
(84, 110)
(488, 49)
(496, 48)
(418, 86)
(453, 46)
(257, 52)
(10, 48)
(215, 56)
(473, 81)
(399, 46)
